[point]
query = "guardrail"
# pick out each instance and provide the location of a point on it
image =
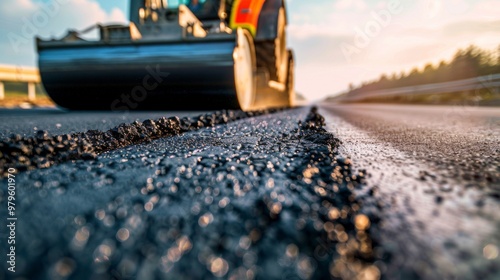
(491, 82)
(28, 75)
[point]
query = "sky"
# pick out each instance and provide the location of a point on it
(336, 42)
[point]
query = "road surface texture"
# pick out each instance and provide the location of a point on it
(436, 170)
(56, 121)
(385, 191)
(262, 197)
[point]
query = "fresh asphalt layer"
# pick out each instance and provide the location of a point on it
(394, 191)
(262, 197)
(26, 122)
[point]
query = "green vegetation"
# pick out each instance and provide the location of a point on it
(468, 63)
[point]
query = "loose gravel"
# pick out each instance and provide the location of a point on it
(265, 197)
(42, 151)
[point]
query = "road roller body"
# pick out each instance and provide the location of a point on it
(212, 54)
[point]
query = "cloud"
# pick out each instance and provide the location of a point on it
(117, 15)
(434, 43)
(319, 49)
(471, 27)
(357, 5)
(425, 31)
(22, 20)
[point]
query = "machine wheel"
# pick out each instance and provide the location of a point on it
(272, 55)
(245, 69)
(290, 81)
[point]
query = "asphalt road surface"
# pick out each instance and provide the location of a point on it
(27, 122)
(437, 173)
(385, 191)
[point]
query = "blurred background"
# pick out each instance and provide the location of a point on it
(347, 50)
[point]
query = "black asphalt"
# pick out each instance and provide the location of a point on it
(391, 191)
(264, 197)
(436, 171)
(26, 122)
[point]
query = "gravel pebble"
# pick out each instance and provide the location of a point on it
(56, 149)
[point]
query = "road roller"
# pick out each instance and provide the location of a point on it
(174, 54)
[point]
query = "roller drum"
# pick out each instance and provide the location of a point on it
(140, 76)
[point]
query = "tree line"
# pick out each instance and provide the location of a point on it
(466, 63)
